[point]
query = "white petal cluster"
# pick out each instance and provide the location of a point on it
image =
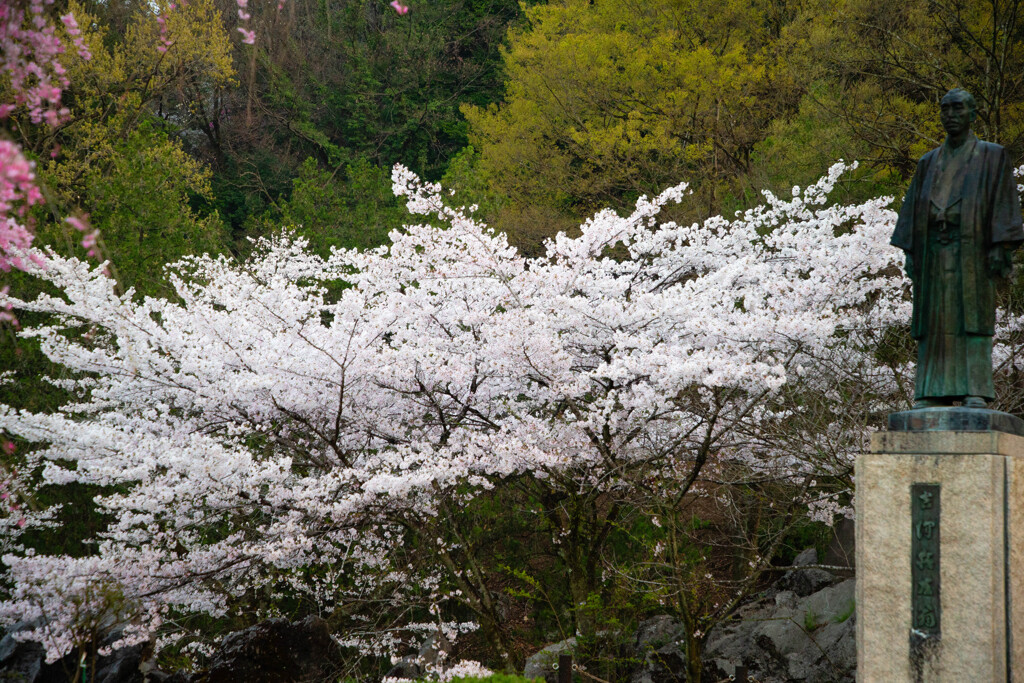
(282, 413)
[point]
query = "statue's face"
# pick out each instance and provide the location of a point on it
(955, 114)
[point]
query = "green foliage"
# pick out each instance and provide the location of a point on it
(891, 62)
(139, 200)
(811, 620)
(471, 184)
(118, 160)
(797, 148)
(349, 207)
(845, 613)
(609, 100)
(354, 86)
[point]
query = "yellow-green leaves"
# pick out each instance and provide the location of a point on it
(609, 100)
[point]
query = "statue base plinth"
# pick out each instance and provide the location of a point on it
(940, 551)
(955, 419)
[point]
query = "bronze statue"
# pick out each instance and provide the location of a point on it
(959, 224)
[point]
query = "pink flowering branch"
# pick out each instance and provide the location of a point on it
(30, 47)
(29, 51)
(18, 192)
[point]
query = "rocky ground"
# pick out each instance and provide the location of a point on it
(801, 630)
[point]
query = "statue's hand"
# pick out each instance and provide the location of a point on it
(999, 262)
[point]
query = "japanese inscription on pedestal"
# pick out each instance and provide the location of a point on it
(924, 558)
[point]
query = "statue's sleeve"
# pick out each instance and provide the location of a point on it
(903, 235)
(1006, 216)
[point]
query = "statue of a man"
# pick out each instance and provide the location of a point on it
(959, 224)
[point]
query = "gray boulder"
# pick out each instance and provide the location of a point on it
(276, 651)
(789, 638)
(805, 558)
(433, 650)
(803, 579)
(804, 582)
(544, 664)
(20, 660)
(24, 661)
(661, 645)
(800, 630)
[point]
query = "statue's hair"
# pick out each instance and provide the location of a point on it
(972, 104)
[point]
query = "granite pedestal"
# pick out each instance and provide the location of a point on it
(940, 549)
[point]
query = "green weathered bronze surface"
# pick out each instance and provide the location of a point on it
(958, 226)
(955, 419)
(924, 559)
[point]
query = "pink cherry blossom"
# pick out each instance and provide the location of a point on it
(29, 47)
(76, 35)
(18, 192)
(79, 223)
(399, 7)
(29, 51)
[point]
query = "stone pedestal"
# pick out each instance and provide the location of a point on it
(975, 557)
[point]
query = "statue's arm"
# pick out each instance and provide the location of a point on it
(1007, 232)
(1006, 223)
(1000, 259)
(903, 234)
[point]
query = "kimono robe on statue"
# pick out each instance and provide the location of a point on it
(961, 203)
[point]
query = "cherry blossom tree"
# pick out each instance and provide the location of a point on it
(288, 423)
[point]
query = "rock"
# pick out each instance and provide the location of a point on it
(276, 651)
(659, 641)
(122, 667)
(25, 662)
(8, 645)
(804, 579)
(543, 663)
(434, 650)
(803, 582)
(800, 630)
(785, 599)
(406, 667)
(25, 665)
(788, 638)
(20, 661)
(842, 550)
(808, 556)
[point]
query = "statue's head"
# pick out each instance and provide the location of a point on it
(957, 111)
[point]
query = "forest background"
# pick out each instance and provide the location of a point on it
(183, 139)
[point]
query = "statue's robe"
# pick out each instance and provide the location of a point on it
(961, 202)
